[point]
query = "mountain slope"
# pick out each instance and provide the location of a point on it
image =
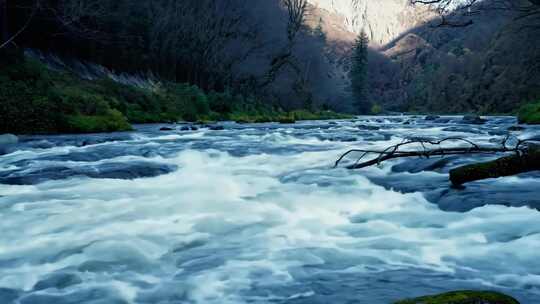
(490, 67)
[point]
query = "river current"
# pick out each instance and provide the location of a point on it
(256, 213)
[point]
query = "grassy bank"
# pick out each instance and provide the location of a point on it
(34, 99)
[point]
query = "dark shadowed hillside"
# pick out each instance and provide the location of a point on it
(490, 66)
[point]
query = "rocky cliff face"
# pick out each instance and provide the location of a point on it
(383, 20)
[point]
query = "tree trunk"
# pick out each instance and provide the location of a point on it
(4, 33)
(505, 166)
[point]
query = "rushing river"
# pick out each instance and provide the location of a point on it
(258, 214)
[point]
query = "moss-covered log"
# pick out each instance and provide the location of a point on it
(505, 166)
(463, 297)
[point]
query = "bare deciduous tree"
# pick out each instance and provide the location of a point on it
(296, 12)
(196, 35)
(460, 13)
(70, 14)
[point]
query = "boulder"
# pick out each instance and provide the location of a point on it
(8, 139)
(432, 117)
(463, 297)
(473, 120)
(166, 129)
(216, 127)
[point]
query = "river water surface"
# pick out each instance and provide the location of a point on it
(258, 214)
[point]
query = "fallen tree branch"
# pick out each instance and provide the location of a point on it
(400, 150)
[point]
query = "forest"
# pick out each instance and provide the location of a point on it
(272, 56)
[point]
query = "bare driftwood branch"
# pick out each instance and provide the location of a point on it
(430, 148)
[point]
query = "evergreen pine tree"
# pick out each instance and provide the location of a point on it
(359, 75)
(319, 32)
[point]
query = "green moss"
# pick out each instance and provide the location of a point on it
(463, 297)
(530, 113)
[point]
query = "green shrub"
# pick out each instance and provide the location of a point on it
(530, 113)
(111, 121)
(34, 99)
(376, 109)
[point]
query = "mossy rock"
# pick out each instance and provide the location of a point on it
(463, 297)
(504, 166)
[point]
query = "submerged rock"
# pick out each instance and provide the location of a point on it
(216, 128)
(516, 128)
(166, 129)
(9, 295)
(442, 120)
(344, 139)
(432, 117)
(58, 281)
(131, 170)
(6, 143)
(8, 139)
(473, 120)
(419, 165)
(366, 127)
(463, 297)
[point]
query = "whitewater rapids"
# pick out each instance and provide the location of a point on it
(257, 214)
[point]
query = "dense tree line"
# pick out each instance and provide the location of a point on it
(260, 47)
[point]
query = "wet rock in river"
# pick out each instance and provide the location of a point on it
(432, 117)
(367, 127)
(216, 127)
(442, 120)
(58, 281)
(489, 192)
(419, 165)
(516, 128)
(131, 170)
(8, 139)
(473, 120)
(166, 129)
(463, 129)
(9, 295)
(344, 139)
